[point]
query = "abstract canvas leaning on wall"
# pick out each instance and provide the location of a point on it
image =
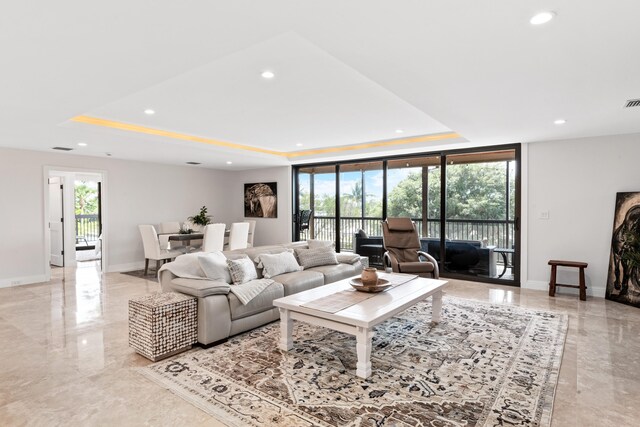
(261, 200)
(623, 281)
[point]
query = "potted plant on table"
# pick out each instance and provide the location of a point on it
(200, 220)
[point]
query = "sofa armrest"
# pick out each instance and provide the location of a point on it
(432, 260)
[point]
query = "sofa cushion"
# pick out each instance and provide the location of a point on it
(214, 265)
(347, 258)
(333, 273)
(199, 288)
(313, 257)
(262, 302)
(315, 243)
(242, 270)
(299, 281)
(274, 264)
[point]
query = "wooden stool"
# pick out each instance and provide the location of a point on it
(554, 268)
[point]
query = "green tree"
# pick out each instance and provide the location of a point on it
(474, 191)
(86, 199)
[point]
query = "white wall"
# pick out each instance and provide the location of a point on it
(136, 193)
(576, 182)
(268, 230)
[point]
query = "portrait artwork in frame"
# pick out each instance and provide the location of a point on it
(623, 280)
(261, 200)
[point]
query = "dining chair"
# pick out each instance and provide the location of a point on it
(153, 249)
(213, 237)
(171, 227)
(166, 228)
(252, 229)
(238, 235)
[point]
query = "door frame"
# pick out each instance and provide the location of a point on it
(46, 172)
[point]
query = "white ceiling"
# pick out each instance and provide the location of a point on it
(346, 73)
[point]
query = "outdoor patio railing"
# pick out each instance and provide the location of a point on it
(498, 233)
(87, 227)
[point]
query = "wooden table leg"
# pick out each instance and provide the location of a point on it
(552, 281)
(286, 330)
(436, 307)
(363, 347)
(583, 286)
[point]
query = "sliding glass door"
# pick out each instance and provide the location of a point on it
(465, 205)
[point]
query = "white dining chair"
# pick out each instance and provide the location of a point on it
(153, 249)
(252, 229)
(171, 227)
(166, 229)
(213, 237)
(238, 235)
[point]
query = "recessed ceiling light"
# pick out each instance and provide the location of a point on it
(268, 74)
(229, 162)
(299, 144)
(542, 18)
(560, 121)
(149, 112)
(399, 131)
(82, 144)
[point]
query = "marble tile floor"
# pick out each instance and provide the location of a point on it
(66, 360)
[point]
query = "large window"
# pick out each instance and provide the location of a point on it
(464, 203)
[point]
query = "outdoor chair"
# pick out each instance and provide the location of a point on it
(402, 245)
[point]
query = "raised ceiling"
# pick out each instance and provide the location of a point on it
(348, 75)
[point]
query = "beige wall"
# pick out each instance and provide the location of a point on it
(136, 193)
(576, 182)
(268, 230)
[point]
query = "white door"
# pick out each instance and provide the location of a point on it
(56, 228)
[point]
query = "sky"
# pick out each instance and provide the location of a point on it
(325, 183)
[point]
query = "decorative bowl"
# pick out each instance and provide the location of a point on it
(382, 285)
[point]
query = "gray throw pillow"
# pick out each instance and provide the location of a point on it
(214, 265)
(274, 264)
(242, 270)
(314, 257)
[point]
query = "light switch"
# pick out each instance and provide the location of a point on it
(544, 214)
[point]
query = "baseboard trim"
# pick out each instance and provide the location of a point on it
(538, 285)
(23, 280)
(120, 268)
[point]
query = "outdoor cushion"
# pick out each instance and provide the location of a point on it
(199, 288)
(262, 302)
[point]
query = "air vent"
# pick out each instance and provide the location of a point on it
(62, 148)
(193, 163)
(632, 103)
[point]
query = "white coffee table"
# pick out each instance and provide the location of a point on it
(360, 318)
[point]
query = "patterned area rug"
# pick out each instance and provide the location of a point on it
(483, 365)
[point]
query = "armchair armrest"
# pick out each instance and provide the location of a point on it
(432, 260)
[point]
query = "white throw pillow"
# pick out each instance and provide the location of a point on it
(242, 270)
(314, 244)
(214, 265)
(274, 264)
(316, 257)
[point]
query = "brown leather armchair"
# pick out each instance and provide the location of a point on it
(402, 244)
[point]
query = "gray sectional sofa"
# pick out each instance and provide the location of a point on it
(220, 312)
